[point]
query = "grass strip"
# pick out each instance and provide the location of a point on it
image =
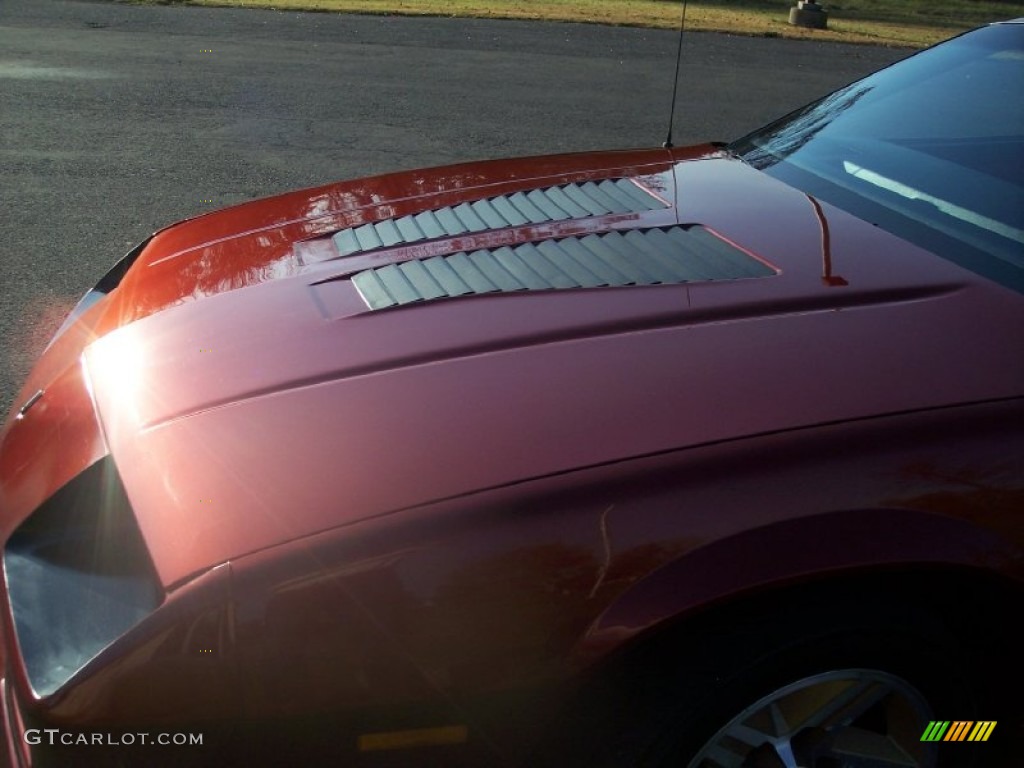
(909, 23)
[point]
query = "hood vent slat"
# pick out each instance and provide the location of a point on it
(657, 256)
(536, 206)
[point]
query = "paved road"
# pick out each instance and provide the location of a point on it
(118, 119)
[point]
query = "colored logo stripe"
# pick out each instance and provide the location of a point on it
(958, 730)
(982, 730)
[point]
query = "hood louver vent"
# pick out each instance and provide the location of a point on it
(668, 255)
(535, 206)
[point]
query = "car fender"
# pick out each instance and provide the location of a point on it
(818, 547)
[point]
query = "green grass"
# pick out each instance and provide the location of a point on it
(914, 23)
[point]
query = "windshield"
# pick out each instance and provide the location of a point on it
(930, 149)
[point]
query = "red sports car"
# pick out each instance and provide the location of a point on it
(701, 457)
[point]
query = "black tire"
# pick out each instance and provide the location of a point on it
(669, 698)
(914, 661)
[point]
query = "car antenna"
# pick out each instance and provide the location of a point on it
(675, 83)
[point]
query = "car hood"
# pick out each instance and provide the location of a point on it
(256, 386)
(255, 242)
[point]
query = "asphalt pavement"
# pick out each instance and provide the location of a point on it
(117, 119)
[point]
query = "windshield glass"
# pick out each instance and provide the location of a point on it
(930, 149)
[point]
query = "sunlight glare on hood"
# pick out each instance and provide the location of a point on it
(117, 366)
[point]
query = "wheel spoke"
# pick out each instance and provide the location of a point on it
(752, 736)
(722, 757)
(785, 752)
(779, 720)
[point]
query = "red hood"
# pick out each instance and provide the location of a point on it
(254, 242)
(225, 414)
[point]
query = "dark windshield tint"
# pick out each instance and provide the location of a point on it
(931, 149)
